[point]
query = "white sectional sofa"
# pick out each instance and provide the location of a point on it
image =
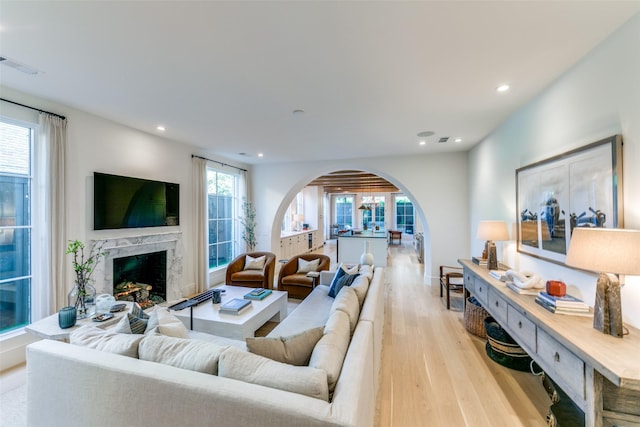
(73, 385)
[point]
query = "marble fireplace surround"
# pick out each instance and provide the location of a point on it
(118, 247)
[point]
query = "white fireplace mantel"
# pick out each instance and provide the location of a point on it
(119, 247)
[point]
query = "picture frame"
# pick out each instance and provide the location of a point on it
(579, 188)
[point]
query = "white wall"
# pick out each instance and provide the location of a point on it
(598, 97)
(436, 183)
(97, 144)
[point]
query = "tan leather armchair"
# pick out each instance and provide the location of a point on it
(299, 285)
(238, 276)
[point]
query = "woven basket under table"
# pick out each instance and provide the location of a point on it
(474, 315)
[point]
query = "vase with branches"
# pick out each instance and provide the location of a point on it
(83, 294)
(248, 221)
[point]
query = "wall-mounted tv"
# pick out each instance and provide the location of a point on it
(126, 202)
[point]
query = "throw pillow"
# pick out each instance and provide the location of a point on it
(294, 349)
(251, 368)
(347, 301)
(305, 266)
(342, 270)
(137, 311)
(344, 280)
(251, 263)
(93, 337)
(194, 355)
(166, 323)
(331, 350)
(131, 324)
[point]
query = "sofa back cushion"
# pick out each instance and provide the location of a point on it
(252, 368)
(194, 355)
(294, 349)
(111, 342)
(347, 301)
(361, 286)
(329, 352)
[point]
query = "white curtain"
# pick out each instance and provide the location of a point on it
(200, 241)
(52, 142)
(242, 195)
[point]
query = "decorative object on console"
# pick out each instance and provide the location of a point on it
(556, 288)
(492, 231)
(67, 317)
(611, 252)
(82, 295)
(104, 302)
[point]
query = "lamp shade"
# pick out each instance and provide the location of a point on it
(493, 230)
(298, 217)
(606, 250)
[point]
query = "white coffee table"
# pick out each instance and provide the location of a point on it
(207, 318)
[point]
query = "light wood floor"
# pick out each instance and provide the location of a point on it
(437, 374)
(434, 372)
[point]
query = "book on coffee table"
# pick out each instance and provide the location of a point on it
(234, 306)
(257, 296)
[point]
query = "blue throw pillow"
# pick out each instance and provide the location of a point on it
(334, 283)
(345, 280)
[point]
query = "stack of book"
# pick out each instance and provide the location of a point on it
(235, 306)
(567, 304)
(522, 291)
(499, 275)
(258, 294)
(480, 261)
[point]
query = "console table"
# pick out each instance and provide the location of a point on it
(600, 373)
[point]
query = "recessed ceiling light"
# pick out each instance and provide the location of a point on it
(458, 140)
(161, 128)
(422, 142)
(298, 111)
(502, 88)
(425, 134)
(260, 155)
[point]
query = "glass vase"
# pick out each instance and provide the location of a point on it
(83, 298)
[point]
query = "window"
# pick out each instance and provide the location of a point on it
(16, 146)
(375, 216)
(221, 208)
(344, 210)
(404, 214)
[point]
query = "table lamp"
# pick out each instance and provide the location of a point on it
(492, 231)
(298, 218)
(610, 252)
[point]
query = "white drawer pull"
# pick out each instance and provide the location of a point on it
(556, 357)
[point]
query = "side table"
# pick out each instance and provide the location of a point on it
(314, 277)
(48, 328)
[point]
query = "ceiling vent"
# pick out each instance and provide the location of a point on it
(18, 66)
(443, 139)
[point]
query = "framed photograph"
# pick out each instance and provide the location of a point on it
(580, 188)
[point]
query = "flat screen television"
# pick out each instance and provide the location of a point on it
(126, 202)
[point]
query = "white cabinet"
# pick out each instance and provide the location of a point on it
(299, 243)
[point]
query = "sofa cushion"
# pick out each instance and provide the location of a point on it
(248, 276)
(109, 341)
(347, 301)
(305, 266)
(298, 279)
(295, 349)
(131, 324)
(166, 323)
(330, 351)
(361, 286)
(257, 263)
(252, 368)
(194, 355)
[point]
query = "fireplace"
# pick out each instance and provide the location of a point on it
(141, 278)
(107, 274)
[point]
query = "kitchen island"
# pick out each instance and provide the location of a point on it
(350, 248)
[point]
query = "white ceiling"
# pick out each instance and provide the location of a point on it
(369, 75)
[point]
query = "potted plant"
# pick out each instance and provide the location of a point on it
(248, 221)
(83, 294)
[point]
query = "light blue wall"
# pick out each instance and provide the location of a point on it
(598, 97)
